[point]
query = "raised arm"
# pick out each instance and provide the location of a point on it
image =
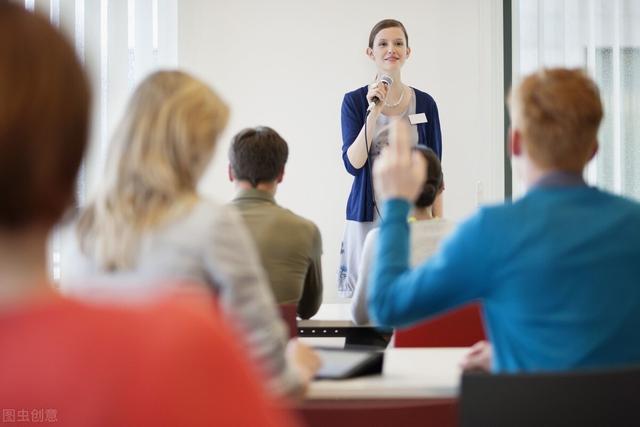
(399, 295)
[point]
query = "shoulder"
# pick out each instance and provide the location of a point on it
(206, 206)
(357, 94)
(356, 99)
(486, 220)
(205, 222)
(632, 205)
(177, 325)
(423, 98)
(617, 207)
(298, 222)
(436, 226)
(216, 214)
(372, 236)
(134, 325)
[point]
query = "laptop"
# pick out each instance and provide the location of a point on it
(340, 363)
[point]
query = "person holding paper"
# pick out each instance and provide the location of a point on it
(427, 231)
(365, 115)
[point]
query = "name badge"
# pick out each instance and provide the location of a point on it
(414, 119)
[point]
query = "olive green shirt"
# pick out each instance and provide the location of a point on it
(290, 248)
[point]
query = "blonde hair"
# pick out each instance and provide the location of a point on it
(558, 112)
(157, 156)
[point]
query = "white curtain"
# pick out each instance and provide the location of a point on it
(119, 42)
(602, 36)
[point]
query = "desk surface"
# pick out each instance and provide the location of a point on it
(408, 373)
(328, 316)
(338, 311)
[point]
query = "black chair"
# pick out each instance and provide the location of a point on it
(582, 398)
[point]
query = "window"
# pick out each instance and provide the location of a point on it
(119, 42)
(603, 37)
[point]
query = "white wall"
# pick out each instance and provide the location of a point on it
(287, 64)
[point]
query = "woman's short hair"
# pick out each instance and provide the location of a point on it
(44, 117)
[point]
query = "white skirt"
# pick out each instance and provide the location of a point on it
(350, 252)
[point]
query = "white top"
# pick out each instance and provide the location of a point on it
(209, 245)
(407, 373)
(381, 138)
(426, 236)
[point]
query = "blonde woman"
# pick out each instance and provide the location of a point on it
(148, 229)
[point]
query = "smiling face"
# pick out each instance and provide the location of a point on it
(389, 50)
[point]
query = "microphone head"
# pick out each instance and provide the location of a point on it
(386, 79)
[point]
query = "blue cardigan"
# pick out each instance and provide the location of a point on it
(354, 108)
(557, 273)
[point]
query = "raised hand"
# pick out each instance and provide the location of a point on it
(399, 172)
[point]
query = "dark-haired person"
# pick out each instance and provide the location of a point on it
(290, 246)
(388, 49)
(427, 231)
(64, 362)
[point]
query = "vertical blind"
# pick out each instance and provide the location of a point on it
(603, 37)
(119, 42)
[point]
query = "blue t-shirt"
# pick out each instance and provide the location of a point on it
(557, 273)
(353, 113)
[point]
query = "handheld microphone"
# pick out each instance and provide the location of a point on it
(386, 80)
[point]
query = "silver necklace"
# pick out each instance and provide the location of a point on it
(395, 104)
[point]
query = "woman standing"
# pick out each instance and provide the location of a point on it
(365, 114)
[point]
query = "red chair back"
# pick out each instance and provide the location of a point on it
(289, 313)
(379, 412)
(461, 327)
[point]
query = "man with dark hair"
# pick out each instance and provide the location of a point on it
(290, 246)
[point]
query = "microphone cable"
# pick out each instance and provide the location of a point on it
(366, 144)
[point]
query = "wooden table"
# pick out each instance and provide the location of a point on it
(415, 373)
(418, 387)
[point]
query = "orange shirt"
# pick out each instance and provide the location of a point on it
(70, 364)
